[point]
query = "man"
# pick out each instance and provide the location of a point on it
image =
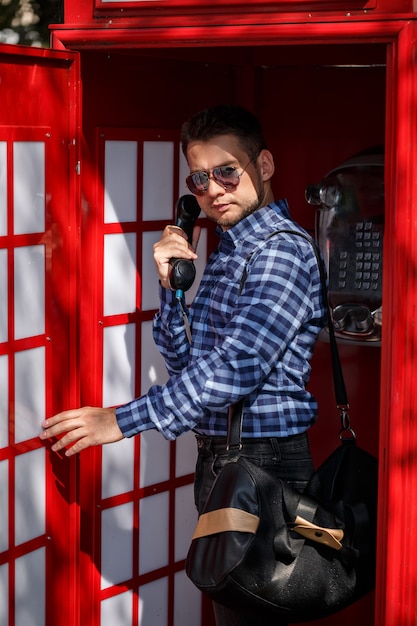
(254, 345)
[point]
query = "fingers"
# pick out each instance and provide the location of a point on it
(79, 429)
(196, 236)
(173, 244)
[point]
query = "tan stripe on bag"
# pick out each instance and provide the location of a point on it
(223, 520)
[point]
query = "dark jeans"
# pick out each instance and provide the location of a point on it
(288, 458)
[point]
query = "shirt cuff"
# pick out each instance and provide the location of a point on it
(132, 417)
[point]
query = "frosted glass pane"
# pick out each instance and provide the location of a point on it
(29, 186)
(4, 507)
(4, 586)
(117, 611)
(153, 537)
(118, 364)
(153, 365)
(116, 544)
(3, 298)
(187, 601)
(186, 456)
(119, 274)
(150, 278)
(185, 520)
(184, 171)
(153, 604)
(4, 401)
(154, 458)
(29, 393)
(158, 202)
(3, 188)
(117, 468)
(200, 264)
(30, 495)
(29, 286)
(120, 181)
(30, 589)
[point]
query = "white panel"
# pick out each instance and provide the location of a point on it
(153, 603)
(116, 544)
(3, 299)
(117, 611)
(186, 454)
(187, 601)
(118, 364)
(200, 264)
(29, 187)
(153, 366)
(29, 393)
(158, 180)
(153, 528)
(117, 468)
(150, 278)
(154, 458)
(4, 401)
(119, 273)
(29, 286)
(184, 170)
(4, 507)
(3, 188)
(30, 589)
(4, 586)
(30, 495)
(120, 181)
(185, 520)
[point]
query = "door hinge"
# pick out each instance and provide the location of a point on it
(78, 168)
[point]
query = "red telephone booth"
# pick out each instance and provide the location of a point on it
(84, 146)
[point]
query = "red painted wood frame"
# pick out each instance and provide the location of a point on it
(40, 113)
(397, 549)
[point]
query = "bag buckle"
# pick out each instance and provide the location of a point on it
(345, 422)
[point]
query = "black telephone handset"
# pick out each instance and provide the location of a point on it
(182, 272)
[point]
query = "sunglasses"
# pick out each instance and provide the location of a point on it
(226, 176)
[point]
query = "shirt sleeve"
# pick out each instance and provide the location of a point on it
(280, 305)
(169, 331)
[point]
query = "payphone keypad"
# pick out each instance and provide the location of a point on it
(356, 265)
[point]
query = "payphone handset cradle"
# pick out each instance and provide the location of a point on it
(350, 231)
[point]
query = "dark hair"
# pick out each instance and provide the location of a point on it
(224, 120)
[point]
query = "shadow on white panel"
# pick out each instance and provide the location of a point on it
(117, 611)
(153, 535)
(154, 458)
(29, 393)
(30, 496)
(4, 585)
(118, 364)
(185, 520)
(186, 454)
(117, 468)
(187, 603)
(30, 589)
(116, 544)
(153, 604)
(4, 509)
(153, 367)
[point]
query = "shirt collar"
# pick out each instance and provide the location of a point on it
(252, 225)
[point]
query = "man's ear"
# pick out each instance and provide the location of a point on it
(266, 163)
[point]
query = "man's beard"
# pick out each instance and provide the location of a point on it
(248, 210)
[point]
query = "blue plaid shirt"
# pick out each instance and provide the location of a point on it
(256, 345)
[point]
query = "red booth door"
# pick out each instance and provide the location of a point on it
(38, 277)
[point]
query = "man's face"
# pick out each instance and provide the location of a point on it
(228, 207)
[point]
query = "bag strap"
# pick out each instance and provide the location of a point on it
(235, 415)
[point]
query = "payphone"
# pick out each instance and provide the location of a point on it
(349, 231)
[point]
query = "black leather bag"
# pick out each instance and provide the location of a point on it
(261, 546)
